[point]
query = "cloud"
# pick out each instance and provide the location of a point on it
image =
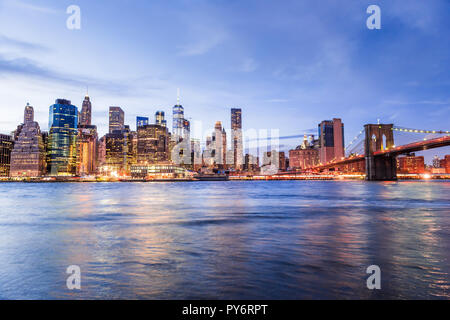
(29, 68)
(32, 7)
(6, 41)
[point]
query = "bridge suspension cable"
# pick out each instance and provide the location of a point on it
(401, 129)
(354, 139)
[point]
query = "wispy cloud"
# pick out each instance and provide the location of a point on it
(8, 42)
(32, 7)
(249, 65)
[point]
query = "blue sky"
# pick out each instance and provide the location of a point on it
(287, 64)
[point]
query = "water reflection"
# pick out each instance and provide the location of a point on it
(242, 240)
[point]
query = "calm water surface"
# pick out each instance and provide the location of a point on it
(225, 240)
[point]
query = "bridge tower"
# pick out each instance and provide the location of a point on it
(379, 137)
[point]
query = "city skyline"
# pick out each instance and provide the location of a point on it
(309, 74)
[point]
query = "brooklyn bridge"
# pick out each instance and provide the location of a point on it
(375, 152)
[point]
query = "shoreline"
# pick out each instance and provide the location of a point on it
(230, 178)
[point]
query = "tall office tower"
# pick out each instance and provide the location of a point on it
(236, 138)
(152, 144)
(62, 139)
(331, 140)
(116, 119)
(86, 112)
(219, 140)
(87, 150)
(119, 151)
(6, 145)
(28, 114)
(28, 154)
(141, 121)
(159, 119)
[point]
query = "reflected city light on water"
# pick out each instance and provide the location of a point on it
(235, 240)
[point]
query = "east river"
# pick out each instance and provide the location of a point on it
(225, 240)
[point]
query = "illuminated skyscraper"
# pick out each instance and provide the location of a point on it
(28, 114)
(236, 138)
(62, 140)
(152, 144)
(119, 152)
(86, 112)
(28, 154)
(159, 119)
(116, 119)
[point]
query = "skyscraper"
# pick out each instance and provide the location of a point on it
(86, 112)
(62, 140)
(28, 114)
(178, 121)
(141, 121)
(236, 138)
(119, 151)
(331, 140)
(152, 144)
(28, 154)
(6, 145)
(116, 119)
(159, 119)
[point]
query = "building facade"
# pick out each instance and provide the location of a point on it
(237, 145)
(160, 119)
(331, 140)
(86, 112)
(152, 144)
(87, 150)
(141, 121)
(62, 139)
(6, 145)
(116, 119)
(411, 164)
(28, 154)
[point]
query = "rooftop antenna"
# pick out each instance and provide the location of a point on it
(178, 96)
(87, 91)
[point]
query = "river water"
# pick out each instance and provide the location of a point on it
(225, 240)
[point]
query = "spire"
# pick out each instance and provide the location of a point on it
(87, 91)
(178, 96)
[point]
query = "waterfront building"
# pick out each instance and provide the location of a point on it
(152, 144)
(87, 150)
(86, 112)
(119, 152)
(160, 119)
(6, 145)
(236, 138)
(141, 121)
(411, 164)
(28, 154)
(159, 171)
(331, 140)
(447, 163)
(116, 119)
(62, 139)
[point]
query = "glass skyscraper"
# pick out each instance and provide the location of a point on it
(62, 140)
